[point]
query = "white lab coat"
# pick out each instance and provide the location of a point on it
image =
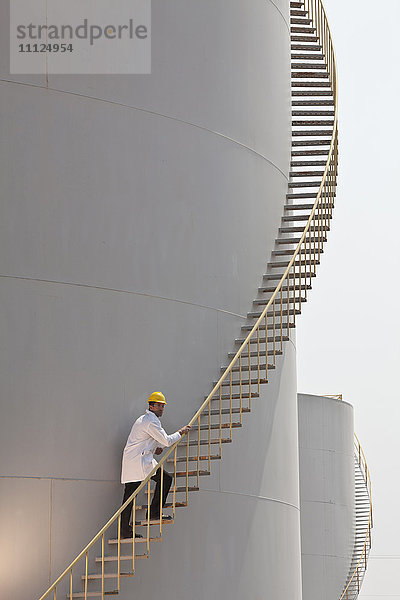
(146, 435)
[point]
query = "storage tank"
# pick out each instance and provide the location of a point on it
(326, 442)
(137, 216)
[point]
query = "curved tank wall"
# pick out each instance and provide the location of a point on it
(326, 448)
(137, 215)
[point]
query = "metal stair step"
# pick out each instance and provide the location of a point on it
(306, 29)
(143, 522)
(191, 459)
(253, 340)
(96, 576)
(302, 184)
(312, 93)
(299, 19)
(314, 113)
(269, 289)
(227, 411)
(202, 472)
(290, 252)
(316, 122)
(296, 12)
(283, 264)
(270, 339)
(301, 195)
(112, 559)
(295, 229)
(312, 39)
(293, 218)
(309, 74)
(312, 132)
(310, 143)
(278, 276)
(306, 173)
(316, 152)
(321, 66)
(306, 47)
(311, 84)
(312, 103)
(92, 594)
(269, 327)
(114, 541)
(256, 315)
(253, 367)
(294, 4)
(295, 240)
(205, 427)
(308, 163)
(291, 229)
(254, 381)
(253, 354)
(284, 306)
(205, 443)
(316, 55)
(234, 396)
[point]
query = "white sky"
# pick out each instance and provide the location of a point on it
(348, 335)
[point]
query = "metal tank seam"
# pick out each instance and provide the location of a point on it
(281, 13)
(150, 112)
(119, 291)
(252, 496)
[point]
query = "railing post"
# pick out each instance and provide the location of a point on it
(174, 491)
(148, 521)
(249, 359)
(240, 386)
(274, 341)
(198, 453)
(300, 284)
(220, 420)
(161, 495)
(119, 545)
(288, 301)
(230, 404)
(281, 324)
(209, 436)
(102, 567)
(86, 574)
(187, 468)
(258, 360)
(294, 292)
(71, 584)
(133, 541)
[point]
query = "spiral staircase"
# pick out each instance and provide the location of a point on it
(363, 525)
(96, 572)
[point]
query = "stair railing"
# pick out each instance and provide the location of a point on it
(353, 586)
(277, 317)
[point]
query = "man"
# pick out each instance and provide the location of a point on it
(146, 439)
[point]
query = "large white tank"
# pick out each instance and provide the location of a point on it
(137, 216)
(326, 446)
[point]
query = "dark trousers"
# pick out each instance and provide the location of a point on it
(155, 505)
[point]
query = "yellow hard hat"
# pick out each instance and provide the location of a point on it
(157, 397)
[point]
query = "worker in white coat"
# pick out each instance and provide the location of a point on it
(147, 437)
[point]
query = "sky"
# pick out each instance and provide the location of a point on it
(348, 337)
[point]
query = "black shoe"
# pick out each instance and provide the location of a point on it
(157, 517)
(128, 533)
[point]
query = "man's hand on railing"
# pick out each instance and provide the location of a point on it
(185, 429)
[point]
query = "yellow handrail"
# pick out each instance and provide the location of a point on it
(316, 227)
(361, 566)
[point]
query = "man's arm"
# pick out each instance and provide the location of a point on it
(161, 436)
